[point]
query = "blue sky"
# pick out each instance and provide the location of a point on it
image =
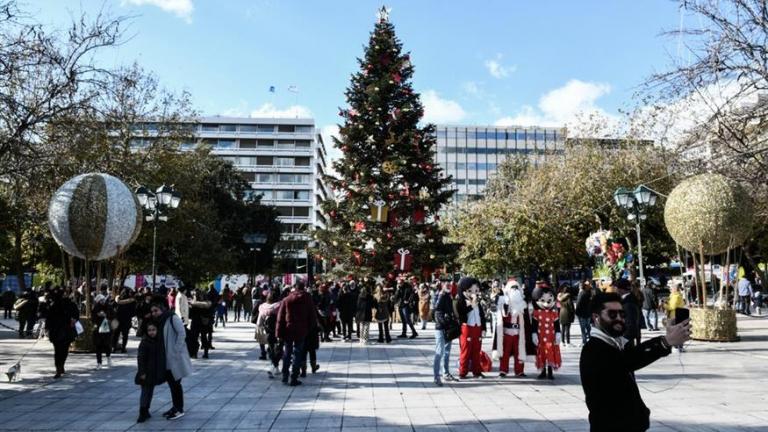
(477, 62)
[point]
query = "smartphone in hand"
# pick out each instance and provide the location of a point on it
(681, 314)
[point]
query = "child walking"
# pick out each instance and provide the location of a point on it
(151, 369)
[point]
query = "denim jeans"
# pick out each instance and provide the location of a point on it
(651, 325)
(293, 356)
(405, 316)
(442, 350)
(586, 326)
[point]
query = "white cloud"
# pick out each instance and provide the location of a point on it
(269, 110)
(562, 106)
(496, 69)
(471, 88)
(439, 110)
(181, 8)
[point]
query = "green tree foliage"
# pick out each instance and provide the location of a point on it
(386, 156)
(554, 207)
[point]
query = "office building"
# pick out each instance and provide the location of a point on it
(471, 154)
(284, 160)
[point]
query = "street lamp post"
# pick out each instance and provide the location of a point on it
(635, 203)
(155, 206)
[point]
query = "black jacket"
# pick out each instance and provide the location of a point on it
(347, 305)
(59, 320)
(444, 312)
(582, 304)
(632, 319)
(151, 362)
(463, 310)
(650, 298)
(608, 380)
(365, 305)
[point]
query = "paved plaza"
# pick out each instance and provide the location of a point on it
(712, 387)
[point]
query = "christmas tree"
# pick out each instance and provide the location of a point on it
(383, 220)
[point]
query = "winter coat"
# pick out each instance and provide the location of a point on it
(365, 305)
(181, 308)
(295, 316)
(175, 346)
(424, 303)
(650, 298)
(9, 297)
(347, 305)
(444, 312)
(632, 317)
(125, 311)
(99, 313)
(583, 301)
(566, 308)
(58, 322)
(151, 362)
(608, 376)
(383, 306)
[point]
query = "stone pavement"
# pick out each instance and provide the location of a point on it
(712, 387)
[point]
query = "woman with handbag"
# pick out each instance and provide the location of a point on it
(446, 330)
(60, 325)
(101, 321)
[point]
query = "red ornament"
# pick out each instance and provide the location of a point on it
(358, 257)
(389, 235)
(403, 259)
(394, 222)
(332, 214)
(396, 77)
(390, 276)
(360, 226)
(419, 216)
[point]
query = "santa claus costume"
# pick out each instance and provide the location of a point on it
(509, 338)
(546, 334)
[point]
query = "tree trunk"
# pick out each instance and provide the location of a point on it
(18, 258)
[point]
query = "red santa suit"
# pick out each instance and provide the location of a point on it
(510, 330)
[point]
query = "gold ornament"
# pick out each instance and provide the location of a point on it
(709, 211)
(389, 167)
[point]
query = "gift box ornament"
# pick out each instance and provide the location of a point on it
(379, 211)
(403, 259)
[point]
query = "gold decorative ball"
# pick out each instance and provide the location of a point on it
(389, 167)
(709, 211)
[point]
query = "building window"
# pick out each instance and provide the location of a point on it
(265, 178)
(301, 195)
(248, 176)
(301, 211)
(264, 160)
(286, 128)
(284, 161)
(303, 129)
(265, 193)
(247, 128)
(227, 128)
(247, 143)
(284, 195)
(285, 143)
(266, 143)
(302, 143)
(224, 144)
(210, 127)
(301, 161)
(266, 128)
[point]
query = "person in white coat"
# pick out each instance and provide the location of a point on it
(177, 363)
(181, 307)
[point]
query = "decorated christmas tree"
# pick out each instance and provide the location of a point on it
(383, 219)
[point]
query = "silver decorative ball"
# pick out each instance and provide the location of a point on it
(94, 216)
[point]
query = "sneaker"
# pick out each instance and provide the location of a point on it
(169, 413)
(270, 374)
(176, 415)
(294, 383)
(449, 377)
(315, 368)
(402, 336)
(414, 335)
(142, 418)
(520, 375)
(98, 366)
(303, 373)
(438, 382)
(502, 375)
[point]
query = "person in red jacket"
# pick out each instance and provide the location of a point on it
(295, 318)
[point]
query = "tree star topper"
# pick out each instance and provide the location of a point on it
(383, 14)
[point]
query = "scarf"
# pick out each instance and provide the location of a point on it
(618, 342)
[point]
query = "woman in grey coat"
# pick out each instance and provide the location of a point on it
(177, 363)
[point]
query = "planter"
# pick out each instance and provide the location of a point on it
(713, 325)
(84, 342)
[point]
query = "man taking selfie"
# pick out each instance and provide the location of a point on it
(608, 366)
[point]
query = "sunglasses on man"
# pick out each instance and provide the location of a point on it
(613, 314)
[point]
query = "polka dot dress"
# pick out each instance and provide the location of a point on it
(548, 351)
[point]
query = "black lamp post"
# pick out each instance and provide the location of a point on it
(635, 203)
(156, 206)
